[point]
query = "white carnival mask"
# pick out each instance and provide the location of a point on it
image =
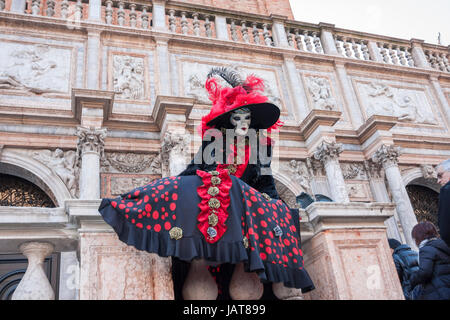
(241, 122)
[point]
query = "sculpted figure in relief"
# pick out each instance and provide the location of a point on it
(320, 91)
(28, 70)
(383, 100)
(129, 77)
(62, 164)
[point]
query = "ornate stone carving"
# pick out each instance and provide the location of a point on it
(320, 91)
(387, 155)
(129, 77)
(34, 68)
(374, 170)
(298, 171)
(174, 148)
(315, 167)
(328, 151)
(121, 185)
(63, 164)
(91, 140)
(286, 195)
(429, 171)
(401, 103)
(132, 163)
(354, 171)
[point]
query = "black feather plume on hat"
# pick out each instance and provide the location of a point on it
(230, 76)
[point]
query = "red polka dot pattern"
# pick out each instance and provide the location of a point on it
(142, 208)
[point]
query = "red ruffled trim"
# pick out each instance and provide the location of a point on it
(205, 210)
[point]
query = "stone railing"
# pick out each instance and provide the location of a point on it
(126, 13)
(64, 9)
(352, 47)
(396, 54)
(437, 58)
(304, 38)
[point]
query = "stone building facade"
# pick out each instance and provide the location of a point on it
(98, 97)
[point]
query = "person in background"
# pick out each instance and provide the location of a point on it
(434, 263)
(406, 262)
(443, 176)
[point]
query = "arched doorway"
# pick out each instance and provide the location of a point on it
(424, 197)
(19, 192)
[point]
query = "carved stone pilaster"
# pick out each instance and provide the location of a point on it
(174, 153)
(328, 151)
(387, 156)
(90, 151)
(91, 140)
(328, 154)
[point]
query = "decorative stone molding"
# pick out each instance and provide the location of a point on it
(35, 284)
(132, 163)
(91, 141)
(354, 171)
(320, 91)
(63, 164)
(328, 151)
(387, 155)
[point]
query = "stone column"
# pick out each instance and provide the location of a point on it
(174, 153)
(93, 53)
(35, 284)
(18, 6)
(220, 23)
(95, 10)
(159, 15)
(387, 155)
(326, 36)
(328, 154)
(380, 194)
(355, 111)
(90, 149)
(418, 55)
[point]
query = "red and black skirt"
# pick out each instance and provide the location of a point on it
(213, 216)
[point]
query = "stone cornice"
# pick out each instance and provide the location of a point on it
(318, 118)
(165, 105)
(373, 124)
(329, 215)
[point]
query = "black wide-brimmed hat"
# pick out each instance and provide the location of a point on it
(241, 94)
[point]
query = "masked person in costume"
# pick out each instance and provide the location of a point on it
(223, 209)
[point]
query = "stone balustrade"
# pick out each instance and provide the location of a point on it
(352, 47)
(191, 23)
(396, 54)
(304, 39)
(129, 14)
(438, 59)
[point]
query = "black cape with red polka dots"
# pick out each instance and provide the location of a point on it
(169, 217)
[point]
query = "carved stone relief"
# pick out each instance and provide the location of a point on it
(321, 94)
(353, 171)
(63, 164)
(286, 195)
(358, 191)
(129, 80)
(36, 68)
(299, 173)
(429, 171)
(121, 185)
(118, 162)
(406, 104)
